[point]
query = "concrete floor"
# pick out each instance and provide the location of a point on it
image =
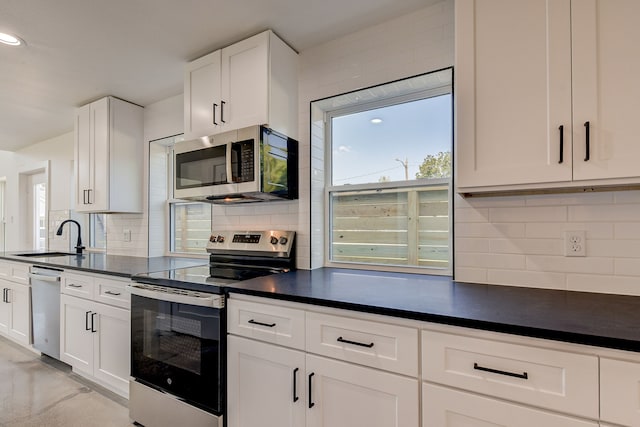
(43, 392)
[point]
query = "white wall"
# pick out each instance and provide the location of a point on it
(403, 47)
(58, 153)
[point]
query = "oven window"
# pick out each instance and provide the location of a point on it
(176, 341)
(177, 348)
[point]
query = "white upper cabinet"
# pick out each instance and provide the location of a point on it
(109, 156)
(529, 75)
(606, 89)
(252, 82)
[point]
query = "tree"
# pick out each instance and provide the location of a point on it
(435, 166)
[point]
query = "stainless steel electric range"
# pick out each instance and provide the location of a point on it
(178, 328)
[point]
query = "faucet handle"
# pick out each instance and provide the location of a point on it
(79, 249)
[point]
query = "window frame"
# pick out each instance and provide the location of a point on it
(330, 189)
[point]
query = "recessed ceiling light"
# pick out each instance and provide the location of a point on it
(376, 121)
(10, 39)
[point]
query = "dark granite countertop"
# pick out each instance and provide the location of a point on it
(114, 265)
(603, 320)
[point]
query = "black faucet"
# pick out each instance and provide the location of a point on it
(79, 246)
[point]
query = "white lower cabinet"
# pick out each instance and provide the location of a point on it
(95, 337)
(445, 407)
(346, 395)
(265, 385)
(620, 392)
(273, 386)
(15, 312)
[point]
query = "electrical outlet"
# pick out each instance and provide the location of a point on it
(127, 235)
(575, 243)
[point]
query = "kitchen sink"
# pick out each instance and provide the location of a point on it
(45, 254)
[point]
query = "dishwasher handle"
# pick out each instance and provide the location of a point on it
(43, 278)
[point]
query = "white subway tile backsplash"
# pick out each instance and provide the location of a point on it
(622, 197)
(569, 199)
(528, 214)
(489, 230)
(600, 213)
(534, 279)
(464, 244)
(527, 246)
(472, 215)
(625, 285)
(614, 248)
(627, 230)
(561, 264)
(627, 267)
(547, 230)
(471, 275)
(491, 260)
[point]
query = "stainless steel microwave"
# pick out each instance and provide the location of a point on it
(247, 165)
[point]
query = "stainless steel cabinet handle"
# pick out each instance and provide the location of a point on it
(73, 285)
(86, 321)
(112, 293)
(43, 278)
(93, 322)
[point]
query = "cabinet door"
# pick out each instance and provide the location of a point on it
(202, 96)
(620, 392)
(20, 325)
(513, 92)
(76, 338)
(345, 395)
(245, 82)
(112, 346)
(83, 156)
(100, 133)
(260, 385)
(606, 92)
(443, 407)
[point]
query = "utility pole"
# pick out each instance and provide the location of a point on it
(406, 167)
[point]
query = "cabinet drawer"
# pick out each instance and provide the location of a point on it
(112, 292)
(379, 345)
(15, 272)
(443, 407)
(266, 322)
(551, 379)
(620, 392)
(77, 285)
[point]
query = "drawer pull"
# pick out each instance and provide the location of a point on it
(72, 285)
(112, 293)
(340, 339)
(268, 325)
(523, 375)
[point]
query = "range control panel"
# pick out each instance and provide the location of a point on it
(267, 241)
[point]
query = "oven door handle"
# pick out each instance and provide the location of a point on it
(198, 299)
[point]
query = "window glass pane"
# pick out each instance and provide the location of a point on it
(97, 231)
(191, 225)
(405, 226)
(393, 143)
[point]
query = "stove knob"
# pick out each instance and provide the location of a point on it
(283, 240)
(274, 240)
(212, 239)
(220, 239)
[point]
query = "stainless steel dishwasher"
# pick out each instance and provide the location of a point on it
(45, 306)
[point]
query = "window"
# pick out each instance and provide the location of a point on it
(97, 231)
(387, 190)
(182, 227)
(190, 227)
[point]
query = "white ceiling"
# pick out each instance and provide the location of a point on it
(80, 50)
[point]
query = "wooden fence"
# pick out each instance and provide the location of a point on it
(404, 226)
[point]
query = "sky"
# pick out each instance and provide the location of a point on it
(363, 152)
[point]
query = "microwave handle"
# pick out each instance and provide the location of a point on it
(229, 169)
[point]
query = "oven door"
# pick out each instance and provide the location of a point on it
(178, 348)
